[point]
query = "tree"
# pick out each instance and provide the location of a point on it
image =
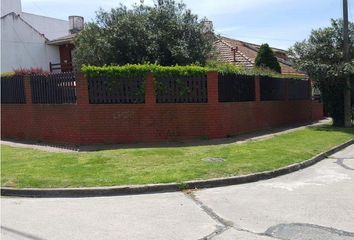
(167, 33)
(321, 57)
(266, 58)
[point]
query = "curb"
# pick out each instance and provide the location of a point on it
(171, 187)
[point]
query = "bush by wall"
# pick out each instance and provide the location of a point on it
(139, 70)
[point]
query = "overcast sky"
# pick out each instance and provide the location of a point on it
(278, 22)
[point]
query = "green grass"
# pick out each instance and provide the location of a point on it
(23, 168)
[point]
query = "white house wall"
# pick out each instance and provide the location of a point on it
(52, 28)
(24, 47)
(9, 6)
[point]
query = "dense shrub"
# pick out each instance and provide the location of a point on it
(167, 33)
(321, 57)
(266, 59)
(138, 70)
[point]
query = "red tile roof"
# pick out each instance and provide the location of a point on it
(246, 54)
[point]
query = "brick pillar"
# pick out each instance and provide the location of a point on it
(309, 97)
(257, 88)
(213, 88)
(28, 90)
(150, 95)
(29, 132)
(83, 110)
(82, 89)
(214, 113)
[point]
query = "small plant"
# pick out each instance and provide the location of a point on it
(183, 186)
(30, 71)
(7, 74)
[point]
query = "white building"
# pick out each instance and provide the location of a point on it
(33, 41)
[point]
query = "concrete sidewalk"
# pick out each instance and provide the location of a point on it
(315, 203)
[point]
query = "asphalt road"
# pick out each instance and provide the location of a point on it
(316, 203)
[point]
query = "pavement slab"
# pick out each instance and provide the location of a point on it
(322, 195)
(154, 216)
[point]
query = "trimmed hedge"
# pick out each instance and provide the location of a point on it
(139, 70)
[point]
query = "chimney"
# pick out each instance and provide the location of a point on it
(207, 26)
(76, 24)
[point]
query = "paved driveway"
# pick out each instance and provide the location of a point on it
(316, 203)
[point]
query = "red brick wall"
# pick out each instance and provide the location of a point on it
(84, 123)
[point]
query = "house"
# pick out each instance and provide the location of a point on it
(244, 54)
(33, 41)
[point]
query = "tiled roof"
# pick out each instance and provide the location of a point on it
(246, 54)
(226, 54)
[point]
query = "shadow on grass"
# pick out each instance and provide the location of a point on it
(330, 128)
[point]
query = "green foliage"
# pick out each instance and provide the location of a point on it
(140, 70)
(225, 68)
(266, 59)
(165, 34)
(179, 71)
(321, 57)
(129, 70)
(7, 74)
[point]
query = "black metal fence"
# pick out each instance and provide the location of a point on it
(191, 89)
(236, 88)
(13, 90)
(298, 89)
(124, 90)
(273, 89)
(58, 88)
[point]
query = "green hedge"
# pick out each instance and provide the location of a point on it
(135, 70)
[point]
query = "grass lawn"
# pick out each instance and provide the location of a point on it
(23, 168)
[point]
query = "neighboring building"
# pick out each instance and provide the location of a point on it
(33, 41)
(244, 54)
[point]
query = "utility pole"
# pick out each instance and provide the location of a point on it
(347, 88)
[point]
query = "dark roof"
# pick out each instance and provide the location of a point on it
(246, 54)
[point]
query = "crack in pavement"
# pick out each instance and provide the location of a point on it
(225, 224)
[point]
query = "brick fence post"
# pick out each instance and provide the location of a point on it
(29, 129)
(150, 95)
(257, 88)
(82, 89)
(28, 89)
(83, 108)
(214, 116)
(213, 87)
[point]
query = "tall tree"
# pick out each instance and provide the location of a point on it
(321, 57)
(167, 33)
(267, 59)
